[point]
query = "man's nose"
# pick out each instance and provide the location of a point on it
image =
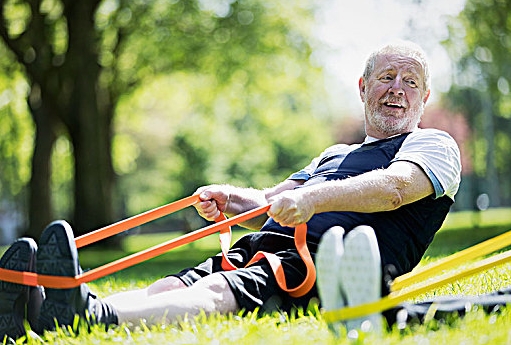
(396, 88)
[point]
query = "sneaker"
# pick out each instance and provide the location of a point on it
(328, 255)
(361, 276)
(14, 298)
(349, 274)
(57, 255)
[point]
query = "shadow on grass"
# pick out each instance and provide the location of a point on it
(153, 269)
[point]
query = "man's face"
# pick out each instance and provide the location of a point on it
(394, 96)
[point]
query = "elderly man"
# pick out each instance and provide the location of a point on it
(393, 190)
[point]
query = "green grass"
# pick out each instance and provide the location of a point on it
(464, 229)
(303, 326)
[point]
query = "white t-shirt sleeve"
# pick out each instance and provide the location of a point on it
(438, 155)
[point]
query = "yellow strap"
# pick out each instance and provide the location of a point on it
(395, 298)
(451, 261)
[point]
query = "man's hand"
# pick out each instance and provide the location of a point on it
(214, 201)
(291, 208)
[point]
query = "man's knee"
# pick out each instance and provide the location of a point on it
(215, 282)
(216, 287)
(165, 284)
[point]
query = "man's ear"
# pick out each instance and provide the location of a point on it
(362, 88)
(426, 96)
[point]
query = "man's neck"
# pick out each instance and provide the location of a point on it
(369, 139)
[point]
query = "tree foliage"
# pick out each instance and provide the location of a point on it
(249, 113)
(137, 102)
(480, 44)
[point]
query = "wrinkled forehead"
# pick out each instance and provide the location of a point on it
(401, 63)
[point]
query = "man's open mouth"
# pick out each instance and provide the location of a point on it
(393, 105)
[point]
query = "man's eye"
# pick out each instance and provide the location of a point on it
(412, 83)
(386, 77)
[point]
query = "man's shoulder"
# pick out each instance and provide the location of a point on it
(420, 132)
(427, 134)
(428, 141)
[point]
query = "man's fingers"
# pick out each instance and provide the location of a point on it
(283, 216)
(205, 195)
(213, 202)
(208, 209)
(275, 209)
(287, 212)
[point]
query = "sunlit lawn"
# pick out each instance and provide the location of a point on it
(305, 326)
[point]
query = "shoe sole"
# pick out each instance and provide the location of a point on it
(19, 257)
(58, 256)
(361, 275)
(330, 250)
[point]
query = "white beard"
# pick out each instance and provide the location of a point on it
(390, 125)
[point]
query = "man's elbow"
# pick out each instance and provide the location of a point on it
(396, 200)
(399, 187)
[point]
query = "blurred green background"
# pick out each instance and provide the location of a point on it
(110, 108)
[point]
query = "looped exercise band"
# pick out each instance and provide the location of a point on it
(222, 225)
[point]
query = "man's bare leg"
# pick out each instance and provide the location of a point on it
(164, 301)
(210, 294)
(161, 285)
(165, 284)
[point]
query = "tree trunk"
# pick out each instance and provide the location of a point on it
(65, 89)
(89, 125)
(40, 205)
(93, 172)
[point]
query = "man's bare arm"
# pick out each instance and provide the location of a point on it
(235, 200)
(379, 190)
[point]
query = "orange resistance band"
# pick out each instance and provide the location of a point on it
(223, 226)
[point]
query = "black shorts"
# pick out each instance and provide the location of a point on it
(256, 286)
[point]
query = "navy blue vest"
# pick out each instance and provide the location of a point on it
(403, 234)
